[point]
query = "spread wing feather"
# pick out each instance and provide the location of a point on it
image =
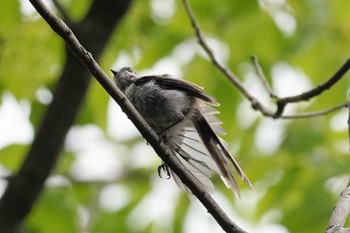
(195, 138)
(167, 81)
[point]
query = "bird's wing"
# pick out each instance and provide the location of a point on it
(168, 82)
(196, 142)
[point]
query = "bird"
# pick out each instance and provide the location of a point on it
(184, 117)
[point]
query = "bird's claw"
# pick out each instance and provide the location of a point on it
(163, 167)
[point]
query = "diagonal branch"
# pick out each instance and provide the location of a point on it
(255, 103)
(281, 103)
(86, 58)
(340, 213)
(203, 43)
(319, 89)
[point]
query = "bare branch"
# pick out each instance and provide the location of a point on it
(316, 113)
(262, 77)
(319, 89)
(305, 96)
(340, 213)
(203, 43)
(187, 178)
(343, 207)
(255, 103)
(282, 102)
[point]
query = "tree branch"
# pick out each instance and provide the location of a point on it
(203, 43)
(342, 209)
(86, 58)
(305, 96)
(319, 89)
(262, 77)
(316, 113)
(340, 213)
(281, 103)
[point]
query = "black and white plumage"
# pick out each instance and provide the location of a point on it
(181, 113)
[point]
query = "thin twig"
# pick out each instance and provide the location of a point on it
(340, 213)
(316, 113)
(282, 102)
(319, 89)
(255, 103)
(203, 43)
(262, 77)
(147, 132)
(305, 96)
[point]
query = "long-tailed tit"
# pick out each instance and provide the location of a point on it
(180, 112)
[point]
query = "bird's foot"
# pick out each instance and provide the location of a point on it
(164, 168)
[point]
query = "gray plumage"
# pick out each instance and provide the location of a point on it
(179, 112)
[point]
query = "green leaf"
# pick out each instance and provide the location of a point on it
(11, 157)
(55, 212)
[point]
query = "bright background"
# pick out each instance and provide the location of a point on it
(106, 179)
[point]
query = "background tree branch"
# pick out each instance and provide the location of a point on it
(256, 103)
(342, 209)
(23, 190)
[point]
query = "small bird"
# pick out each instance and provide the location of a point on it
(183, 117)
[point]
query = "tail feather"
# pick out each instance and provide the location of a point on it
(202, 151)
(218, 152)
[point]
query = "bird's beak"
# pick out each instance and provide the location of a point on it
(114, 72)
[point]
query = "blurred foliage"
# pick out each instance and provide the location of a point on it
(300, 178)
